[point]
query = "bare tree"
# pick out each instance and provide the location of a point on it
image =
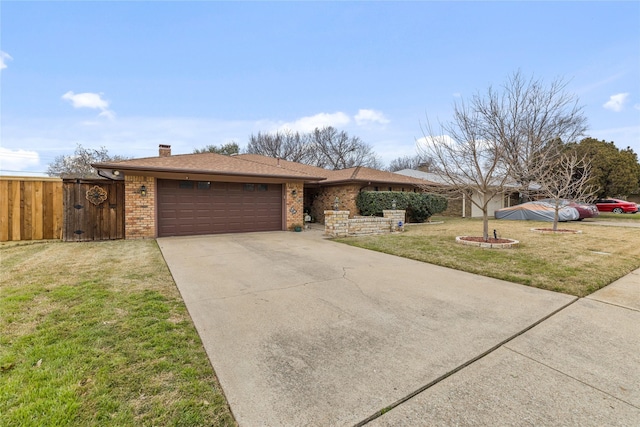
(78, 164)
(325, 148)
(409, 162)
(285, 145)
(335, 149)
(568, 178)
(466, 159)
(529, 119)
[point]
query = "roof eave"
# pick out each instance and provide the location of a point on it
(375, 181)
(151, 169)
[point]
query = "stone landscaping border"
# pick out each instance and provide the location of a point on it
(561, 231)
(487, 245)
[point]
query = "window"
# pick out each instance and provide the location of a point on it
(186, 184)
(262, 187)
(248, 187)
(204, 185)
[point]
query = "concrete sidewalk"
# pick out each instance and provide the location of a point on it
(304, 331)
(581, 367)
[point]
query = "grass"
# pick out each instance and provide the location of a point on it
(575, 264)
(97, 334)
(628, 217)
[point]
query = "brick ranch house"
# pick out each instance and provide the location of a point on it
(207, 193)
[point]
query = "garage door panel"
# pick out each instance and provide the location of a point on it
(187, 208)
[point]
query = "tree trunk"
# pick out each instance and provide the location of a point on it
(556, 217)
(485, 215)
(485, 224)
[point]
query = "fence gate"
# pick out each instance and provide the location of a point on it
(94, 210)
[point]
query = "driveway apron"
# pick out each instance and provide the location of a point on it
(305, 331)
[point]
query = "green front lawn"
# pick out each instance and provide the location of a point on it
(97, 334)
(608, 216)
(576, 264)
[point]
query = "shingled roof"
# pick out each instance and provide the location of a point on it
(209, 164)
(354, 174)
(369, 175)
(255, 165)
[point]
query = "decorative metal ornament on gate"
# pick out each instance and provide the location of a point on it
(96, 195)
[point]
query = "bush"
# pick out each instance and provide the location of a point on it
(419, 206)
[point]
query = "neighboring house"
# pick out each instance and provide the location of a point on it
(462, 206)
(209, 193)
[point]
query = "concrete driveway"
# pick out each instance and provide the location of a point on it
(304, 331)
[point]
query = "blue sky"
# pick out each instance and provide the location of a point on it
(131, 75)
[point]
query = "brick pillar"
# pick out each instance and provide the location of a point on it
(139, 209)
(336, 223)
(294, 204)
(397, 217)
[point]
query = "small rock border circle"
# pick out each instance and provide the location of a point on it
(488, 245)
(559, 231)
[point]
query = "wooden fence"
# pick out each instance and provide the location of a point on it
(30, 208)
(93, 209)
(52, 208)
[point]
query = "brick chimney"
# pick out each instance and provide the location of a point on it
(164, 150)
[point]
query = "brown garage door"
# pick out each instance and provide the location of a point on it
(200, 207)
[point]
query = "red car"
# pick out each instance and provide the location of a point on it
(616, 206)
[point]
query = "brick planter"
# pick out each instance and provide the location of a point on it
(338, 223)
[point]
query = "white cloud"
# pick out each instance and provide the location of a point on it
(308, 124)
(370, 116)
(4, 57)
(86, 100)
(616, 102)
(107, 114)
(426, 141)
(89, 100)
(17, 160)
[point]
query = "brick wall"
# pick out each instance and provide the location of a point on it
(397, 218)
(139, 211)
(346, 194)
(338, 223)
(454, 208)
(326, 197)
(294, 204)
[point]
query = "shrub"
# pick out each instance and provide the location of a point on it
(419, 206)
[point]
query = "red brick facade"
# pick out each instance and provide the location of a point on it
(325, 197)
(294, 207)
(139, 209)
